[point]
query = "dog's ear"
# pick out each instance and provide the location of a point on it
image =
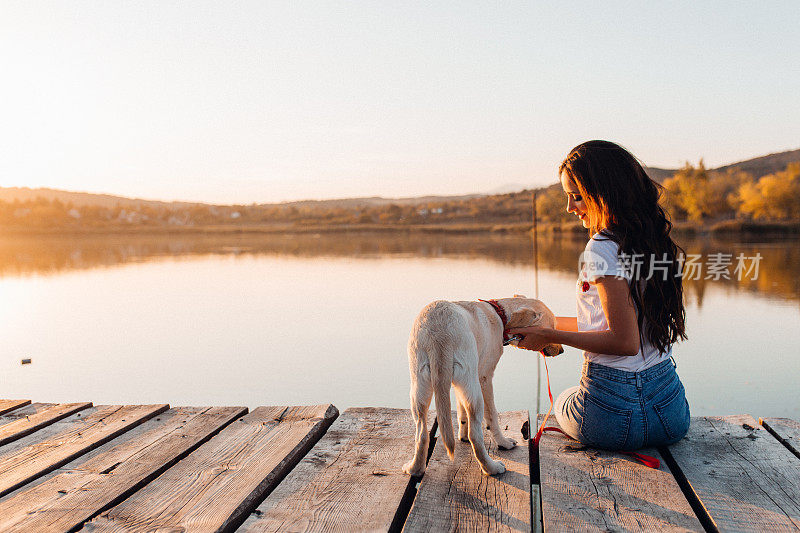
(520, 296)
(522, 317)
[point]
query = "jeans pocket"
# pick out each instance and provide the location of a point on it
(603, 425)
(673, 412)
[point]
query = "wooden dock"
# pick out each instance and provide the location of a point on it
(71, 467)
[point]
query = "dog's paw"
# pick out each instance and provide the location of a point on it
(506, 443)
(412, 469)
(494, 468)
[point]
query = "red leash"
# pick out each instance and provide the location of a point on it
(646, 460)
(550, 393)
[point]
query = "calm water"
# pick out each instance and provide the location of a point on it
(316, 319)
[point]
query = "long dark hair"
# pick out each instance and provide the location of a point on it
(624, 202)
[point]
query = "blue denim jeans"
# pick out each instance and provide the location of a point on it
(618, 410)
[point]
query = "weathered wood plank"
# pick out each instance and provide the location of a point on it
(352, 480)
(220, 483)
(586, 489)
(66, 501)
(10, 405)
(786, 430)
(456, 496)
(745, 479)
(20, 466)
(25, 411)
(42, 434)
(20, 427)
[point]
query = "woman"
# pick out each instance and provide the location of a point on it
(630, 307)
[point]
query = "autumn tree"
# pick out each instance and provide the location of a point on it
(697, 194)
(774, 196)
(551, 204)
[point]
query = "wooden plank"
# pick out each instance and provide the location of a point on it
(67, 500)
(220, 483)
(20, 427)
(23, 465)
(32, 409)
(456, 496)
(586, 489)
(745, 479)
(25, 411)
(352, 480)
(786, 430)
(10, 405)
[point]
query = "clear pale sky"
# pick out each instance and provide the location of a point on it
(240, 102)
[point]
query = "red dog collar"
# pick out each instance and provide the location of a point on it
(502, 313)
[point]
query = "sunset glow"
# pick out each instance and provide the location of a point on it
(264, 101)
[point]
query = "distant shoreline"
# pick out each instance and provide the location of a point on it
(727, 227)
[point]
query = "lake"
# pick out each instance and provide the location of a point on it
(305, 319)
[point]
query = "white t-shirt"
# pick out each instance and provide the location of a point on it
(601, 258)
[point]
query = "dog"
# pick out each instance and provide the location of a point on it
(460, 343)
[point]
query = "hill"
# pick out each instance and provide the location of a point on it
(659, 174)
(725, 196)
(373, 201)
(758, 166)
(81, 199)
(768, 164)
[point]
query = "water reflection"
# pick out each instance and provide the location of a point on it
(304, 319)
(46, 255)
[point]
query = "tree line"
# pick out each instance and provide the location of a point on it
(53, 214)
(693, 194)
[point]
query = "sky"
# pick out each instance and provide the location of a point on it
(259, 101)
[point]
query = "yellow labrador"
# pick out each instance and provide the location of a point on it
(460, 343)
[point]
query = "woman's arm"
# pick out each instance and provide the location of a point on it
(621, 337)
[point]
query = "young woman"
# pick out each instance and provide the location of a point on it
(630, 307)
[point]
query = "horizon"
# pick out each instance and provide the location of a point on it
(343, 198)
(269, 103)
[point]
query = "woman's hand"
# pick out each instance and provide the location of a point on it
(535, 337)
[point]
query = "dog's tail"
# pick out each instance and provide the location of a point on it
(441, 378)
